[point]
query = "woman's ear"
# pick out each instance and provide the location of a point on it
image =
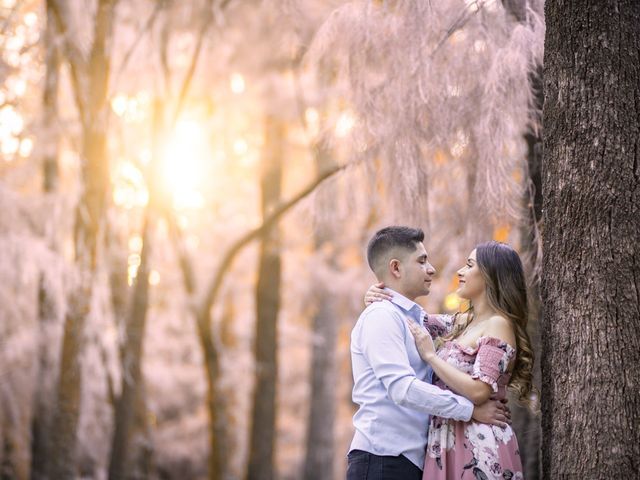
(394, 268)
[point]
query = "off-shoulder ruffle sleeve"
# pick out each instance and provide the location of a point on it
(492, 360)
(438, 325)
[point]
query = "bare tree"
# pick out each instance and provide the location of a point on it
(47, 313)
(90, 80)
(204, 301)
(263, 414)
(320, 451)
(127, 401)
(131, 399)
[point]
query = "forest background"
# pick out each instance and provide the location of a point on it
(187, 189)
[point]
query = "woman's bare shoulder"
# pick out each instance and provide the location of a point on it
(500, 327)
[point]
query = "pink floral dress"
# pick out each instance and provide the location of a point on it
(472, 450)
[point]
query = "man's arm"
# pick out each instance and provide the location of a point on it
(383, 345)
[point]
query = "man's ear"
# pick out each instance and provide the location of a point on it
(394, 268)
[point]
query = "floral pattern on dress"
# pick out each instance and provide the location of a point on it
(438, 325)
(472, 450)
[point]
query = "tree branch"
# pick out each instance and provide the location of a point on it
(72, 54)
(215, 284)
(186, 83)
(186, 264)
(147, 26)
(460, 22)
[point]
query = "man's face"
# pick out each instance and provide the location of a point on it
(416, 272)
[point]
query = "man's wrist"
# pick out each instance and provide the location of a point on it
(474, 410)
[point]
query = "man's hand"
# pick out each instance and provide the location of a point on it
(424, 343)
(494, 412)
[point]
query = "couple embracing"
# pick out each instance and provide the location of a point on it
(427, 413)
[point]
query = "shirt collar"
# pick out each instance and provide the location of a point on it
(409, 306)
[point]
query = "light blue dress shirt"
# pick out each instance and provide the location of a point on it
(392, 385)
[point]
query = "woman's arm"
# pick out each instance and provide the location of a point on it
(476, 390)
(437, 325)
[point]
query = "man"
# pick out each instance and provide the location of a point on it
(392, 385)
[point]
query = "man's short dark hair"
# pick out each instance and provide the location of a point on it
(388, 238)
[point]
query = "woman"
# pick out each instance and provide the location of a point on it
(481, 352)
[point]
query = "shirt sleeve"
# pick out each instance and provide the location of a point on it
(383, 345)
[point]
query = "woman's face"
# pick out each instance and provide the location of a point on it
(472, 283)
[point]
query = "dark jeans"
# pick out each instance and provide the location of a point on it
(367, 466)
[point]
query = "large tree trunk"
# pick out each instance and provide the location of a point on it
(319, 460)
(89, 215)
(263, 417)
(591, 268)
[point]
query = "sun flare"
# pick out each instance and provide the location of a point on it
(183, 164)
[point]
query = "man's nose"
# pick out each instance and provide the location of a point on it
(431, 270)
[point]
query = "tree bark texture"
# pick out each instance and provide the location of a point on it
(319, 459)
(591, 267)
(89, 215)
(263, 416)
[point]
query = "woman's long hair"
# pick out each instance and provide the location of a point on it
(506, 292)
